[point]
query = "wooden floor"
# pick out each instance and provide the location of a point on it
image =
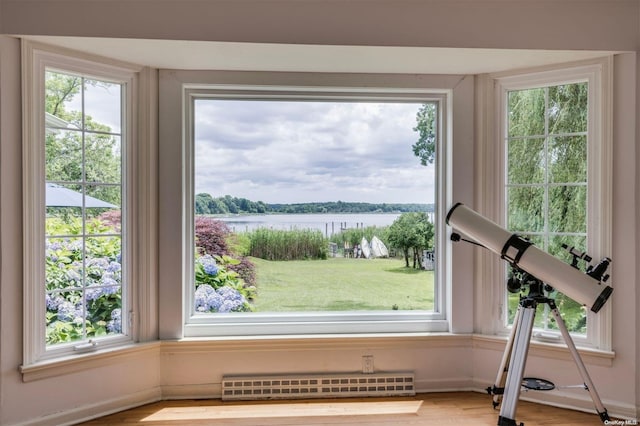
(454, 408)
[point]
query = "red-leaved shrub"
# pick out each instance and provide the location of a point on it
(211, 238)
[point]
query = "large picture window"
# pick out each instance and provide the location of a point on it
(313, 213)
(78, 287)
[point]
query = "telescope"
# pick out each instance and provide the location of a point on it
(536, 269)
(586, 288)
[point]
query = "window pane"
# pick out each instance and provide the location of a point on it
(64, 262)
(102, 158)
(568, 209)
(568, 108)
(577, 242)
(65, 317)
(568, 159)
(526, 161)
(102, 102)
(63, 104)
(526, 209)
(290, 197)
(63, 156)
(526, 112)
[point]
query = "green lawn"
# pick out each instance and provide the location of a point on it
(339, 284)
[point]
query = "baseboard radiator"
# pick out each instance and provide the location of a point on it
(303, 386)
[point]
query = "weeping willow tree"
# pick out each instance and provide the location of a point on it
(546, 154)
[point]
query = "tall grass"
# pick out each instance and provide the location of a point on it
(296, 244)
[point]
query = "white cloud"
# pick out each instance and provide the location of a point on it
(285, 152)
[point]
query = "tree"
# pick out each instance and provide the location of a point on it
(65, 159)
(547, 175)
(204, 204)
(425, 147)
(412, 232)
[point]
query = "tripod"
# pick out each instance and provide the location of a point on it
(510, 374)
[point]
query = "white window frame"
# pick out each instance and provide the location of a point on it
(36, 59)
(599, 185)
(324, 323)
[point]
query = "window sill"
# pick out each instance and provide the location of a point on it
(326, 341)
(548, 350)
(74, 363)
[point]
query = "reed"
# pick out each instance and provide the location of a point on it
(295, 244)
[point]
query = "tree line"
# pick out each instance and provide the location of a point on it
(206, 204)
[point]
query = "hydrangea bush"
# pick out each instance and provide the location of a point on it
(218, 288)
(224, 280)
(83, 293)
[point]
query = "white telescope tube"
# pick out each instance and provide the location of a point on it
(579, 286)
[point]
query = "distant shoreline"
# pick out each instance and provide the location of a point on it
(205, 204)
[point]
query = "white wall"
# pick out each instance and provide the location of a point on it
(178, 369)
(531, 24)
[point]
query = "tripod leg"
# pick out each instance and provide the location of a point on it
(588, 384)
(516, 366)
(498, 388)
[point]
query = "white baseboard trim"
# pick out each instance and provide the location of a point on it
(574, 400)
(203, 391)
(444, 385)
(103, 408)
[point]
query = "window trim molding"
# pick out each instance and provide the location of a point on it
(35, 58)
(171, 121)
(600, 187)
(302, 323)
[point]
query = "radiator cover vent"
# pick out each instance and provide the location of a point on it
(317, 386)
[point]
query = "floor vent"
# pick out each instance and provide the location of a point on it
(317, 386)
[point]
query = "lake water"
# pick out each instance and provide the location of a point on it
(328, 224)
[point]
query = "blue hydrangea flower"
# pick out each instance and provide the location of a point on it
(209, 264)
(115, 325)
(66, 311)
(109, 281)
(73, 275)
(206, 299)
(99, 262)
(93, 293)
(232, 299)
(53, 302)
(113, 267)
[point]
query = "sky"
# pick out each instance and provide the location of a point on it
(299, 152)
